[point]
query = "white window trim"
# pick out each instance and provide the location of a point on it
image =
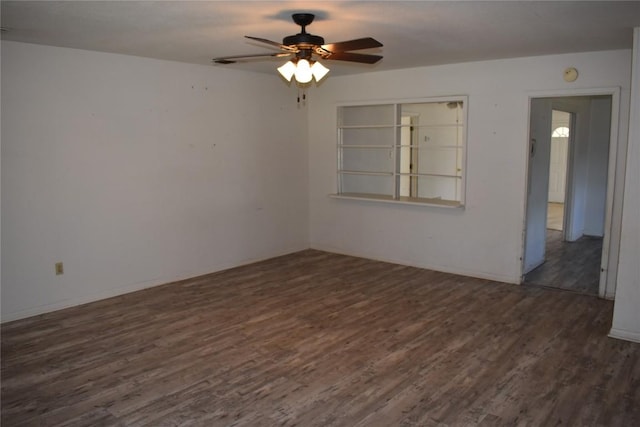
(448, 204)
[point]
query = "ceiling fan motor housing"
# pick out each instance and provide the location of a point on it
(303, 39)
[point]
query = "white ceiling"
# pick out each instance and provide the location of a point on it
(414, 33)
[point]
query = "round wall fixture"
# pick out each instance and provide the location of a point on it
(570, 74)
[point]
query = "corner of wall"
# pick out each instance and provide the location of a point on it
(626, 316)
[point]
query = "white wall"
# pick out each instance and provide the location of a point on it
(590, 160)
(626, 314)
(484, 239)
(0, 184)
(136, 172)
(598, 160)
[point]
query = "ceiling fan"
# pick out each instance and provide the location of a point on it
(304, 49)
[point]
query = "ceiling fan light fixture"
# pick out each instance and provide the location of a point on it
(302, 47)
(287, 70)
(303, 72)
(319, 71)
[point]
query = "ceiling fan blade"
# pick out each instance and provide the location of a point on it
(240, 58)
(353, 57)
(357, 44)
(272, 43)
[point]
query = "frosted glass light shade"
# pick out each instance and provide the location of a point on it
(319, 71)
(303, 72)
(287, 70)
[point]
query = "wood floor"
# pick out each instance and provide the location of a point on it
(572, 266)
(555, 216)
(318, 339)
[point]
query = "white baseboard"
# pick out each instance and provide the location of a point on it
(85, 299)
(121, 290)
(622, 334)
(435, 267)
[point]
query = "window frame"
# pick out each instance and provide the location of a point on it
(395, 147)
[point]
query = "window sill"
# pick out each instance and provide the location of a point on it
(439, 203)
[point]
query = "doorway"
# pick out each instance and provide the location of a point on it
(567, 193)
(561, 131)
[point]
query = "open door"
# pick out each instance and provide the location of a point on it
(538, 183)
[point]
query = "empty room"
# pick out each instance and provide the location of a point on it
(336, 213)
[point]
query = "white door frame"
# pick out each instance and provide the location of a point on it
(610, 239)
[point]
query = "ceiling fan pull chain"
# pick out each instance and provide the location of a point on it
(303, 97)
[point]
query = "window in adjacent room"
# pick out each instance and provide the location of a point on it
(405, 152)
(560, 132)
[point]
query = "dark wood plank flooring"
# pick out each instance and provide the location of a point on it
(572, 266)
(319, 339)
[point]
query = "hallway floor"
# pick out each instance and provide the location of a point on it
(555, 216)
(573, 266)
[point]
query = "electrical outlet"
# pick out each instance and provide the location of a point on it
(59, 268)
